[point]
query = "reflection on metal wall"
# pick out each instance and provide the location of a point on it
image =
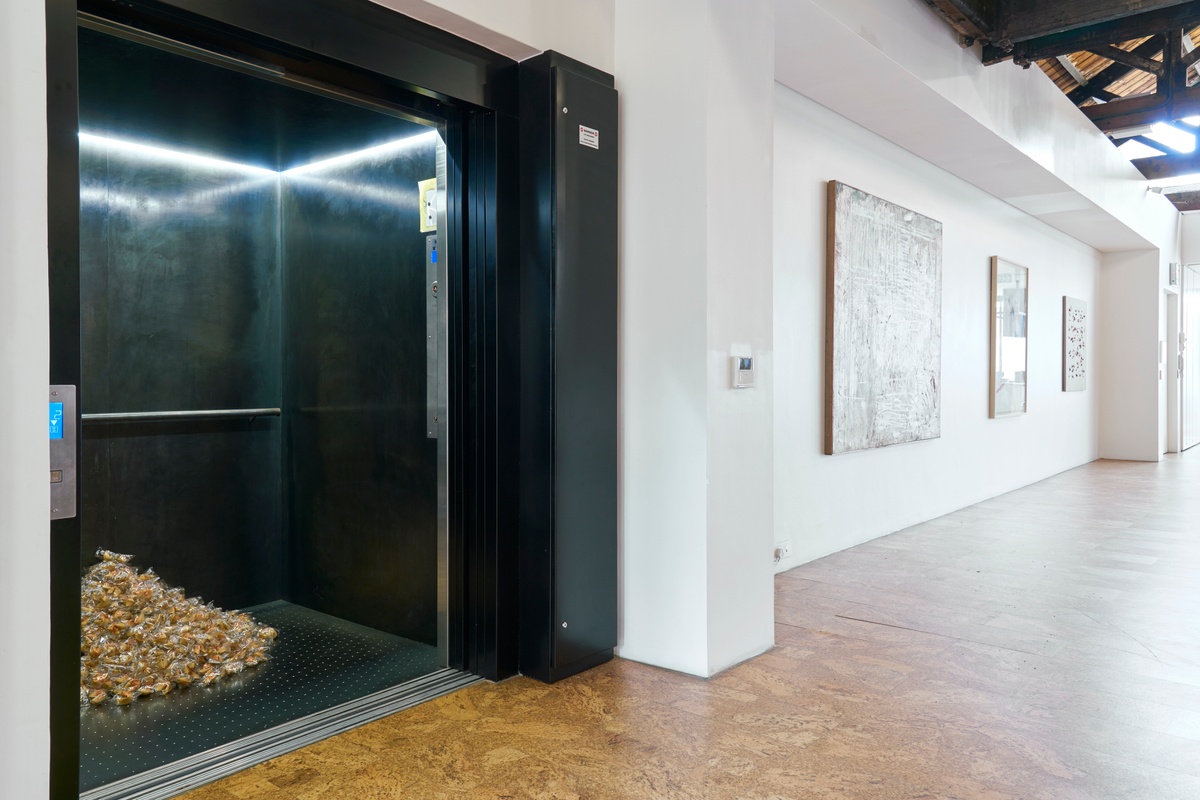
(209, 284)
(363, 473)
(181, 311)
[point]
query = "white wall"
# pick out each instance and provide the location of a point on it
(827, 503)
(695, 81)
(1007, 131)
(740, 64)
(664, 372)
(1128, 351)
(581, 29)
(1190, 234)
(24, 370)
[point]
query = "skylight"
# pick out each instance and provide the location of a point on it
(1178, 140)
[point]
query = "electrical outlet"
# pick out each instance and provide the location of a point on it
(783, 550)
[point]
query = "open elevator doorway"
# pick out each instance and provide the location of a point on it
(264, 397)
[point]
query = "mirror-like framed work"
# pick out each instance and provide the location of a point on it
(1010, 339)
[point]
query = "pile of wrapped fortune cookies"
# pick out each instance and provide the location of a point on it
(141, 637)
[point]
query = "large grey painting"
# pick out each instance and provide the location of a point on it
(883, 318)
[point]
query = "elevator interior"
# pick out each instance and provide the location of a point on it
(263, 379)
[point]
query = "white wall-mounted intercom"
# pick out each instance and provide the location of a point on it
(743, 372)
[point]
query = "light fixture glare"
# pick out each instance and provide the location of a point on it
(358, 155)
(166, 154)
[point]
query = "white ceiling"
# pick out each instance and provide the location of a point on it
(1003, 146)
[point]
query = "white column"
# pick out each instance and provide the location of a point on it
(696, 84)
(740, 59)
(1130, 298)
(24, 367)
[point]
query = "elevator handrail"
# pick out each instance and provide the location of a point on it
(183, 416)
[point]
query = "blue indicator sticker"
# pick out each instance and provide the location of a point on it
(56, 420)
(433, 256)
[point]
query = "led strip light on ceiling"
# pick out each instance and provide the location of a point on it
(197, 159)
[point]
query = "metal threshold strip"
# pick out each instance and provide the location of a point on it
(189, 773)
(180, 416)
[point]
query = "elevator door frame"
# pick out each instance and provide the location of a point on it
(352, 45)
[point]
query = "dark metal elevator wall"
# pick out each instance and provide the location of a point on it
(199, 284)
(363, 505)
(180, 289)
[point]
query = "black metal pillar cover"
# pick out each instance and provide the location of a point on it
(568, 495)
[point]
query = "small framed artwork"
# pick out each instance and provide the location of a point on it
(1074, 345)
(1010, 338)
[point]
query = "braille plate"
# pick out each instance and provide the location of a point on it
(325, 676)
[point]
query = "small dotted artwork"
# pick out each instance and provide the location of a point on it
(1074, 345)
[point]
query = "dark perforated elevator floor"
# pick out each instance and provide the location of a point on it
(317, 662)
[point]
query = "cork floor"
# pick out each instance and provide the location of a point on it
(1043, 644)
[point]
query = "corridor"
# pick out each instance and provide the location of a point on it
(1041, 644)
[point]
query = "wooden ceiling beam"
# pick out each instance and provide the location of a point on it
(1113, 73)
(1102, 95)
(973, 19)
(1179, 16)
(1130, 112)
(1021, 20)
(1129, 59)
(1169, 166)
(1186, 202)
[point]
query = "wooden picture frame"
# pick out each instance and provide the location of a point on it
(1074, 360)
(883, 323)
(1009, 322)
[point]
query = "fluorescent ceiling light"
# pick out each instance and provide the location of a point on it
(196, 159)
(1194, 121)
(1132, 149)
(1135, 130)
(1172, 137)
(358, 155)
(1175, 182)
(1187, 187)
(166, 154)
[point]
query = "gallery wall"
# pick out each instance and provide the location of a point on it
(1190, 233)
(24, 366)
(696, 489)
(827, 503)
(1127, 356)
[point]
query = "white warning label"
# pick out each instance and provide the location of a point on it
(589, 137)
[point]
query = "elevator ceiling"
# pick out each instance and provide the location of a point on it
(137, 92)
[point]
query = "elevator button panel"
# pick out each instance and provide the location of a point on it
(56, 419)
(62, 452)
(431, 337)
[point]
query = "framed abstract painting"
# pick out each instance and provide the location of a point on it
(1010, 339)
(1075, 321)
(883, 323)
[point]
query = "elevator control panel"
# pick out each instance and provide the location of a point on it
(62, 452)
(431, 337)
